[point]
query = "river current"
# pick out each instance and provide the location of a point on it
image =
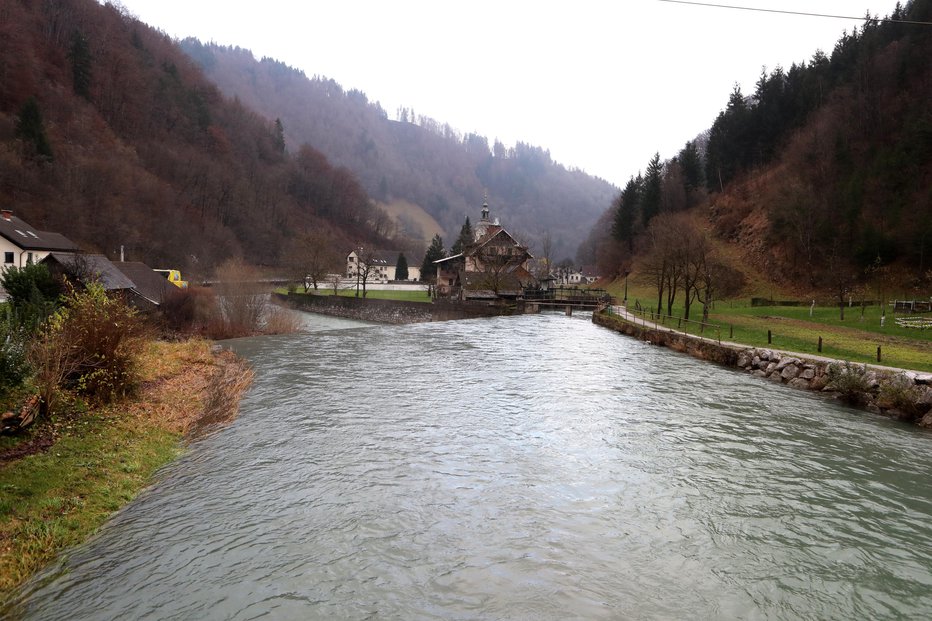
(534, 467)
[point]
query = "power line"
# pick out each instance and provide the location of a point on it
(748, 8)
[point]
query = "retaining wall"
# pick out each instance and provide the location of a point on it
(904, 395)
(401, 312)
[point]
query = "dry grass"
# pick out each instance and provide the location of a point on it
(404, 212)
(282, 321)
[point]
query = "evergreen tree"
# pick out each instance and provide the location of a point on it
(691, 164)
(80, 57)
(31, 129)
(466, 238)
(652, 192)
(434, 252)
(279, 136)
(626, 212)
(401, 268)
(730, 138)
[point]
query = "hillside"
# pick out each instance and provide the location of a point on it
(112, 136)
(821, 179)
(415, 159)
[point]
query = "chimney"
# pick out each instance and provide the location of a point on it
(6, 214)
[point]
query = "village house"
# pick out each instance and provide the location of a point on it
(140, 285)
(22, 244)
(583, 276)
(382, 266)
(494, 266)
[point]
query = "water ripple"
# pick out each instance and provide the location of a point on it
(520, 468)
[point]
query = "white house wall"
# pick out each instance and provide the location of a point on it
(20, 257)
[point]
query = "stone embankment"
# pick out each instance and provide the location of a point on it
(904, 395)
(398, 311)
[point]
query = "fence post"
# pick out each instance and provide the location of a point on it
(731, 331)
(820, 344)
(769, 337)
(878, 353)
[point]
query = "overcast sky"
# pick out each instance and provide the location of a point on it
(602, 85)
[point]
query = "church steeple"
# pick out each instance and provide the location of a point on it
(485, 207)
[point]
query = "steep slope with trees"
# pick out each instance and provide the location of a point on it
(112, 136)
(413, 157)
(822, 177)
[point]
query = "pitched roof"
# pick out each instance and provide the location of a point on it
(149, 284)
(27, 237)
(495, 233)
(382, 257)
(97, 265)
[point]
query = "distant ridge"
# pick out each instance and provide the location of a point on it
(414, 158)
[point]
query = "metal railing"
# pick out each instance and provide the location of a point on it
(688, 327)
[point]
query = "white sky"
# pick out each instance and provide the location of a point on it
(601, 84)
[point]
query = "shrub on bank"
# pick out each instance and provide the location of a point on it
(851, 381)
(901, 395)
(237, 305)
(90, 345)
(14, 340)
(188, 311)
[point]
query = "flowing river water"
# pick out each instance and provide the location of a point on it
(534, 467)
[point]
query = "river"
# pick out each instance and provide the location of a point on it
(534, 467)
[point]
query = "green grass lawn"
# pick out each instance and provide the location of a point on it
(855, 338)
(55, 499)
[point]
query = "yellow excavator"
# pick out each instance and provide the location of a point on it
(174, 277)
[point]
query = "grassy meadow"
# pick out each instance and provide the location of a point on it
(792, 328)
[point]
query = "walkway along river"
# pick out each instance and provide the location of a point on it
(533, 467)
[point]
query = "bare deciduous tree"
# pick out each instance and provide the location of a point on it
(496, 262)
(312, 256)
(366, 267)
(336, 283)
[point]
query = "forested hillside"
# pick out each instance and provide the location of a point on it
(414, 158)
(110, 134)
(822, 177)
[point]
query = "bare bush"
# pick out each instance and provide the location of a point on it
(242, 299)
(282, 321)
(189, 311)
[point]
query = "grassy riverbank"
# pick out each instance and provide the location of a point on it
(66, 476)
(792, 328)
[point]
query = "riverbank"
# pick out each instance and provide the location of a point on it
(85, 465)
(898, 393)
